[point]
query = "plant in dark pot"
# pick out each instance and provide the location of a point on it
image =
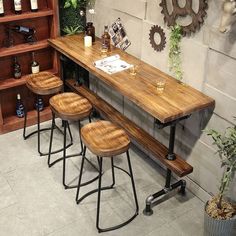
(220, 212)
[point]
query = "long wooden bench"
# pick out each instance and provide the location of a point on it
(179, 166)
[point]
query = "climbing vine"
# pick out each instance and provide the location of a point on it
(175, 61)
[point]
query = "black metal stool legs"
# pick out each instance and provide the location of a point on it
(38, 131)
(50, 152)
(100, 188)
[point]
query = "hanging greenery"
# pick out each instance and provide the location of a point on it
(175, 62)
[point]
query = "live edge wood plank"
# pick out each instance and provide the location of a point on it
(22, 48)
(26, 15)
(178, 166)
(178, 100)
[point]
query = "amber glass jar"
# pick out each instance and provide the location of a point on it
(90, 30)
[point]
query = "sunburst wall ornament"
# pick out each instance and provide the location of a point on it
(157, 46)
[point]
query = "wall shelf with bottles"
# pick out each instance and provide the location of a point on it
(26, 15)
(17, 44)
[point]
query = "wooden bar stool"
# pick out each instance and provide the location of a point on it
(105, 139)
(69, 107)
(43, 83)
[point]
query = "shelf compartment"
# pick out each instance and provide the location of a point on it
(22, 48)
(12, 123)
(26, 15)
(12, 82)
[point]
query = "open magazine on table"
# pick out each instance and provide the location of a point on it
(112, 64)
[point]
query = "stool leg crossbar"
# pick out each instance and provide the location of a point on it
(64, 157)
(38, 131)
(100, 188)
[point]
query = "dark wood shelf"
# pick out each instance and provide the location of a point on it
(12, 123)
(22, 48)
(26, 15)
(12, 82)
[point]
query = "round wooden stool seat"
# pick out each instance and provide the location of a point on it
(44, 83)
(105, 139)
(70, 106)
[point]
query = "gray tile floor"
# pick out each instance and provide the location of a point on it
(33, 201)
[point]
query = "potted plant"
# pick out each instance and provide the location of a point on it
(220, 213)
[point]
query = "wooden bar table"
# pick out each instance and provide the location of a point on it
(177, 102)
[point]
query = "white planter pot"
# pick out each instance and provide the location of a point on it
(214, 227)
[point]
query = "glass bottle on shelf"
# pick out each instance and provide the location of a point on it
(34, 65)
(1, 8)
(106, 39)
(39, 104)
(17, 6)
(90, 30)
(20, 110)
(34, 5)
(16, 69)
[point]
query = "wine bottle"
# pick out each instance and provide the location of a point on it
(34, 5)
(17, 6)
(16, 69)
(20, 110)
(23, 29)
(1, 8)
(34, 65)
(39, 104)
(106, 39)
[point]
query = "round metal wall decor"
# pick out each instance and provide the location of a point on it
(157, 30)
(187, 10)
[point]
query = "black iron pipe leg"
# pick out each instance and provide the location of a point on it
(171, 155)
(113, 172)
(38, 114)
(99, 194)
(51, 138)
(80, 175)
(132, 181)
(64, 155)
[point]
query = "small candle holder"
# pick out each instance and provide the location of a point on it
(87, 41)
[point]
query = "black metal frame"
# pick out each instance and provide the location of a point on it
(100, 188)
(170, 156)
(38, 131)
(64, 157)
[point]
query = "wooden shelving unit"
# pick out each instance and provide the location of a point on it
(45, 22)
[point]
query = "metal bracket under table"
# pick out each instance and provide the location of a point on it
(170, 156)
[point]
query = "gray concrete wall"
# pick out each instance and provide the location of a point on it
(209, 64)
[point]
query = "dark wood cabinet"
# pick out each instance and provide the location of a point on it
(45, 22)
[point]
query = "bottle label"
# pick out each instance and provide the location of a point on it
(35, 69)
(1, 7)
(24, 29)
(17, 74)
(34, 4)
(17, 4)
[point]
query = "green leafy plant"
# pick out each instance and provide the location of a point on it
(175, 62)
(70, 30)
(76, 3)
(226, 148)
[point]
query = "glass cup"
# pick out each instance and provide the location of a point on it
(160, 83)
(133, 69)
(104, 51)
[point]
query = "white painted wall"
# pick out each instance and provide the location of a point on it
(209, 64)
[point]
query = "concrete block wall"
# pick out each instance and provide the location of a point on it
(209, 64)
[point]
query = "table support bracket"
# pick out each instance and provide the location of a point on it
(170, 156)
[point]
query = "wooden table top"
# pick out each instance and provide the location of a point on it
(177, 100)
